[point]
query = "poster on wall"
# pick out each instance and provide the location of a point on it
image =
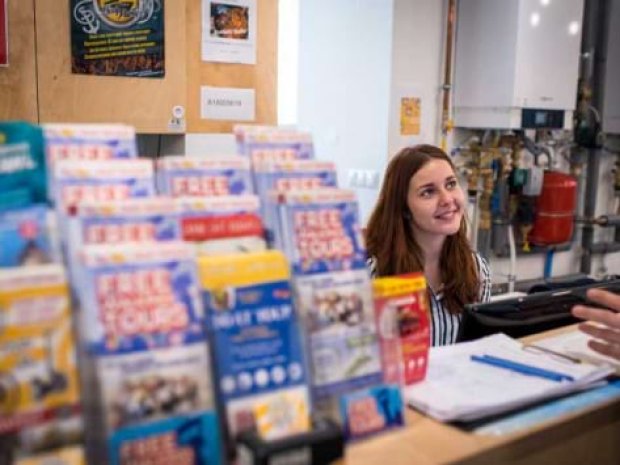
(118, 37)
(4, 34)
(229, 31)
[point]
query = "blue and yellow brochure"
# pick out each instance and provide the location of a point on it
(254, 334)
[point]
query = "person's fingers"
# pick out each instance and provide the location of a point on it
(610, 350)
(606, 298)
(600, 332)
(605, 317)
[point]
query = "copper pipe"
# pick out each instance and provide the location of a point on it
(446, 123)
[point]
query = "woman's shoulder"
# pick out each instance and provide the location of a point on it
(484, 277)
(481, 263)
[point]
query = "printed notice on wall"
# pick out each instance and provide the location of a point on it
(229, 31)
(118, 37)
(408, 124)
(409, 116)
(4, 34)
(227, 104)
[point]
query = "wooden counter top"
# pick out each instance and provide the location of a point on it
(591, 436)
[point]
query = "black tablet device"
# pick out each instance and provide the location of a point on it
(529, 314)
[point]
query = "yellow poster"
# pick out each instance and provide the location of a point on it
(409, 116)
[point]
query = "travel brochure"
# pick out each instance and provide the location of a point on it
(195, 176)
(138, 297)
(253, 329)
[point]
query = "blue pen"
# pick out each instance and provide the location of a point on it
(521, 368)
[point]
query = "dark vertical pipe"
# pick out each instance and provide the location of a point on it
(587, 236)
(617, 195)
(593, 50)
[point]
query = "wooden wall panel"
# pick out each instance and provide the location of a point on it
(18, 87)
(262, 77)
(141, 102)
(145, 103)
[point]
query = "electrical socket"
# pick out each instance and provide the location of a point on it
(353, 178)
(368, 179)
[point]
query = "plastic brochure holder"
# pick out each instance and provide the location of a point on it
(323, 445)
(8, 444)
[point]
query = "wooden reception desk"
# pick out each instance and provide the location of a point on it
(590, 436)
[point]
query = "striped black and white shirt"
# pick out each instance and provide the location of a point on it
(445, 325)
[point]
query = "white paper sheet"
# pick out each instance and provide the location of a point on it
(575, 344)
(457, 388)
(228, 104)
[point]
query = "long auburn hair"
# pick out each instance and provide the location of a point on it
(391, 241)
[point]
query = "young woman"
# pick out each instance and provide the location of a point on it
(419, 224)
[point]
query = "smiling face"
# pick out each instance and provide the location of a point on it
(435, 199)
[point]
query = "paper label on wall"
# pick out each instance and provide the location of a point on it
(4, 34)
(227, 104)
(408, 125)
(409, 116)
(229, 31)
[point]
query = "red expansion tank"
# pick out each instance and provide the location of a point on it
(555, 209)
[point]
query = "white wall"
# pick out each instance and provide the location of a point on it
(417, 67)
(288, 61)
(345, 53)
(210, 144)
